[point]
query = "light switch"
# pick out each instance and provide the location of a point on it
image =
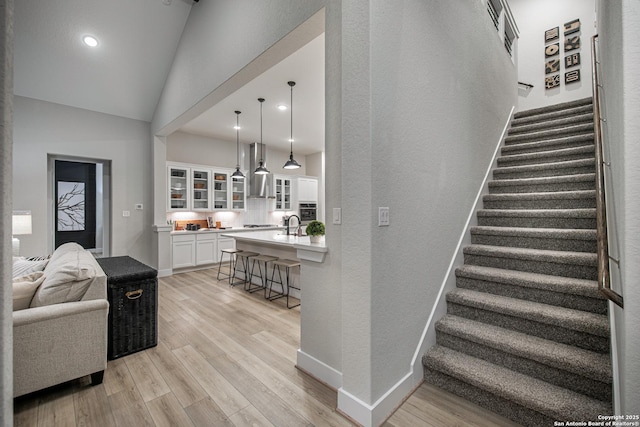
(383, 216)
(139, 206)
(337, 216)
(126, 213)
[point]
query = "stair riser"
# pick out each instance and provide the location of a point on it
(504, 407)
(552, 116)
(540, 204)
(544, 222)
(541, 173)
(500, 188)
(577, 302)
(569, 380)
(511, 150)
(544, 243)
(542, 330)
(506, 161)
(517, 129)
(550, 134)
(534, 266)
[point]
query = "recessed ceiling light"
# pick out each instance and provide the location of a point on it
(282, 107)
(291, 140)
(90, 41)
(237, 127)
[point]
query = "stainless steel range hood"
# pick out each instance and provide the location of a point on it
(259, 185)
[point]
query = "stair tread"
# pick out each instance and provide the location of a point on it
(583, 149)
(579, 361)
(576, 320)
(567, 285)
(553, 401)
(586, 139)
(539, 213)
(544, 255)
(553, 108)
(564, 233)
(554, 165)
(544, 180)
(544, 134)
(519, 128)
(553, 114)
(553, 195)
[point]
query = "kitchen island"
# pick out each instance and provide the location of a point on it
(277, 243)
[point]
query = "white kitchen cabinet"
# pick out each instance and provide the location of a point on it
(283, 192)
(178, 185)
(307, 189)
(206, 248)
(200, 189)
(183, 251)
(238, 188)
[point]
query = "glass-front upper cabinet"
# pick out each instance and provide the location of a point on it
(283, 193)
(220, 190)
(200, 179)
(178, 188)
(237, 193)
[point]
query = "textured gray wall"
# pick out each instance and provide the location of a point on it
(6, 119)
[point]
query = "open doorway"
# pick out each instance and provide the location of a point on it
(79, 194)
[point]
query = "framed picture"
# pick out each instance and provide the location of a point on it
(552, 81)
(551, 35)
(552, 66)
(552, 50)
(571, 43)
(572, 27)
(572, 76)
(572, 60)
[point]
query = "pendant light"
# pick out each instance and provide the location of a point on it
(238, 173)
(291, 163)
(261, 169)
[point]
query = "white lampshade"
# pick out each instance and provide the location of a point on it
(21, 222)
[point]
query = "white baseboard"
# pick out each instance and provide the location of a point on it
(320, 370)
(375, 414)
(165, 273)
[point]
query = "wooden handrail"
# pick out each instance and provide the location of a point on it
(604, 278)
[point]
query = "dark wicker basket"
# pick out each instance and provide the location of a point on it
(132, 290)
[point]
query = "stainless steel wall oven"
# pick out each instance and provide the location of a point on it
(307, 212)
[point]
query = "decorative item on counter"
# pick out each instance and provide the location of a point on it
(218, 224)
(315, 230)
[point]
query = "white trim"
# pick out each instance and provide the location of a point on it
(374, 415)
(617, 401)
(165, 273)
(449, 279)
(318, 369)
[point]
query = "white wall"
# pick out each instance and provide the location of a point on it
(42, 128)
(619, 29)
(419, 128)
(534, 18)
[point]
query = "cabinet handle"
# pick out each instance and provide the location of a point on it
(134, 294)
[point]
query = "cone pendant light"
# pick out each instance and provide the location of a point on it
(291, 163)
(238, 173)
(261, 169)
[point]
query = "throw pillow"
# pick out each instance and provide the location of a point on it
(24, 288)
(22, 267)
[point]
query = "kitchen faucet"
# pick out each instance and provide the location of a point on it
(288, 219)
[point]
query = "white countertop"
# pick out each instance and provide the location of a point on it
(277, 238)
(226, 230)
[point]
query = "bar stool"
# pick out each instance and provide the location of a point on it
(232, 262)
(244, 257)
(264, 259)
(288, 264)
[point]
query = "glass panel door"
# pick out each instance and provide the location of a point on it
(200, 189)
(237, 195)
(178, 188)
(220, 190)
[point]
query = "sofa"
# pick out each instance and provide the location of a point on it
(60, 330)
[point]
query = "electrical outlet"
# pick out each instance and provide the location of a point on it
(383, 216)
(337, 216)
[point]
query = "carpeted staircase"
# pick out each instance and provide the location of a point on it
(526, 332)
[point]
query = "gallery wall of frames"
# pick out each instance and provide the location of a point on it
(562, 54)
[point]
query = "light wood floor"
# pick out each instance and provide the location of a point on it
(224, 358)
